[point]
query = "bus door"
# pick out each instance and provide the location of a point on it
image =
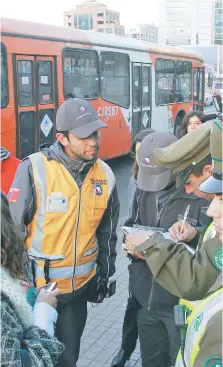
(198, 89)
(35, 102)
(141, 97)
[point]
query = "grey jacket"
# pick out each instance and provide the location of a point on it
(24, 208)
(162, 210)
(131, 194)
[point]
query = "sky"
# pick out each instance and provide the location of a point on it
(51, 11)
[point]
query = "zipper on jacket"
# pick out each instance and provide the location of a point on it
(151, 294)
(75, 241)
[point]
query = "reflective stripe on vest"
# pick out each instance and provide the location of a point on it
(63, 233)
(210, 232)
(197, 323)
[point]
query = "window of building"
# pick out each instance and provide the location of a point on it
(165, 81)
(183, 81)
(100, 14)
(4, 78)
(101, 30)
(45, 73)
(81, 73)
(100, 22)
(91, 21)
(83, 22)
(115, 78)
(75, 22)
(25, 82)
(109, 30)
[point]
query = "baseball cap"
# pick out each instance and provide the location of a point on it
(79, 117)
(151, 176)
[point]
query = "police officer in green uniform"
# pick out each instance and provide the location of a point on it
(181, 272)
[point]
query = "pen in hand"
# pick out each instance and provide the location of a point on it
(184, 219)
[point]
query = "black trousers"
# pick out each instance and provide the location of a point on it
(130, 327)
(72, 316)
(159, 337)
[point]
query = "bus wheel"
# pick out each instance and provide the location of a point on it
(177, 126)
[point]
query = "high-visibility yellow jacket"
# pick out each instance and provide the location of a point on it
(62, 234)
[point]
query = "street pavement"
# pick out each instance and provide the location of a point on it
(102, 335)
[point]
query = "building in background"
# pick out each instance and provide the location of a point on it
(145, 32)
(218, 23)
(187, 22)
(93, 15)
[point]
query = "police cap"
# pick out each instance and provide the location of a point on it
(183, 155)
(213, 185)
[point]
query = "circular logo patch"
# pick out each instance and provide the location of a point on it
(218, 259)
(198, 321)
(82, 109)
(147, 160)
(213, 362)
(98, 190)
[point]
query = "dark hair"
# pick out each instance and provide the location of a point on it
(12, 247)
(138, 139)
(69, 96)
(185, 122)
(198, 169)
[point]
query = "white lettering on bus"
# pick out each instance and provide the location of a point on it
(107, 111)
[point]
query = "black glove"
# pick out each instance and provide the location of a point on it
(97, 289)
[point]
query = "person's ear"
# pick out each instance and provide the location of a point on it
(207, 170)
(62, 139)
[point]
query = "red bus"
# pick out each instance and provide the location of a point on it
(132, 84)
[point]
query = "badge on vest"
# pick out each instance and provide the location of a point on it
(57, 203)
(98, 190)
(213, 362)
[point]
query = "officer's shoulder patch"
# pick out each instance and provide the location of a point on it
(213, 362)
(217, 259)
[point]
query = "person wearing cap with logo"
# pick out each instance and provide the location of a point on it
(157, 203)
(66, 206)
(182, 273)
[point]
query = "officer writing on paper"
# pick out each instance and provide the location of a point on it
(64, 201)
(184, 274)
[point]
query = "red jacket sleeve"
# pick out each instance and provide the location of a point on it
(8, 169)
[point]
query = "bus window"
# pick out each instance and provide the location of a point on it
(183, 81)
(165, 81)
(25, 83)
(115, 78)
(45, 82)
(80, 73)
(196, 85)
(4, 78)
(201, 86)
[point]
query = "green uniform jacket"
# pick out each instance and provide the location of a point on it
(186, 275)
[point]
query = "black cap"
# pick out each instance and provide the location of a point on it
(79, 117)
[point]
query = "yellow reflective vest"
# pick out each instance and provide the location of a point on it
(197, 323)
(61, 238)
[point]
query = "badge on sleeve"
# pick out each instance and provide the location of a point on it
(213, 362)
(218, 259)
(13, 194)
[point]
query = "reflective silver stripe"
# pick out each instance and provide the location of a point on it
(38, 165)
(110, 177)
(90, 252)
(60, 272)
(66, 271)
(207, 308)
(40, 256)
(85, 268)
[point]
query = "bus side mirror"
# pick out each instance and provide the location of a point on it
(210, 80)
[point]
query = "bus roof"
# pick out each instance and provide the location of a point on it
(20, 28)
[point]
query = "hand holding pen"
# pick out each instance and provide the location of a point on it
(182, 230)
